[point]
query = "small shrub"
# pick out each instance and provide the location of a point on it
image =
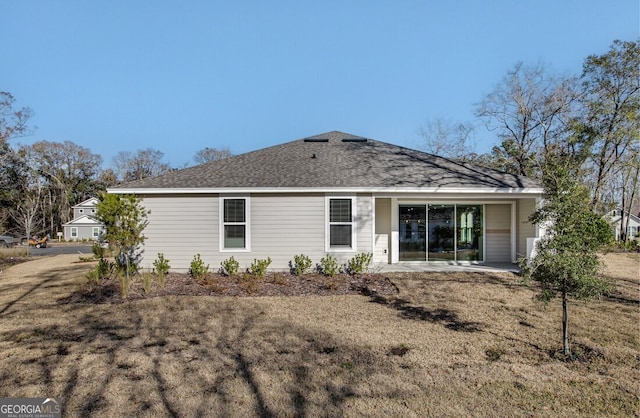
(92, 277)
(147, 281)
(359, 263)
(161, 267)
(198, 269)
(302, 264)
(249, 283)
(259, 267)
(101, 271)
(98, 250)
(86, 259)
(230, 266)
(329, 265)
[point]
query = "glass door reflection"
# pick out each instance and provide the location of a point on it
(412, 231)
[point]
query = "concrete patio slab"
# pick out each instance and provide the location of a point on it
(446, 267)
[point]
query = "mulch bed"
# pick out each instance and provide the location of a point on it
(243, 285)
(11, 261)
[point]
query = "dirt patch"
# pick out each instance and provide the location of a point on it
(5, 263)
(273, 284)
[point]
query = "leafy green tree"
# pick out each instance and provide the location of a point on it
(566, 263)
(125, 220)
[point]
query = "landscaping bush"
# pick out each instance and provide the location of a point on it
(259, 267)
(359, 263)
(230, 266)
(302, 264)
(147, 281)
(329, 265)
(161, 267)
(198, 269)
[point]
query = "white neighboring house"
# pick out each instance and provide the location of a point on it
(615, 219)
(84, 225)
(337, 194)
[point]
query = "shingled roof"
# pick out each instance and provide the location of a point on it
(333, 160)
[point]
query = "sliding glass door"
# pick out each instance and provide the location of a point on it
(443, 232)
(469, 233)
(413, 221)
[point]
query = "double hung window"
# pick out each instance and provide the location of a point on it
(341, 223)
(234, 228)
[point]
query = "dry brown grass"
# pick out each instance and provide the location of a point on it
(476, 345)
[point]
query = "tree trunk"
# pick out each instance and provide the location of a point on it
(565, 324)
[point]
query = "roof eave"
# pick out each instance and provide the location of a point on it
(413, 190)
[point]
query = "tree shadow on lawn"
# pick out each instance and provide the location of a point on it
(172, 358)
(447, 317)
(51, 276)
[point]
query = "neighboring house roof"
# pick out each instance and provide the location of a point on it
(614, 218)
(83, 220)
(334, 160)
(91, 202)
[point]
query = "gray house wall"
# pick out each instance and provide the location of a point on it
(81, 211)
(525, 229)
(498, 233)
(280, 226)
(85, 232)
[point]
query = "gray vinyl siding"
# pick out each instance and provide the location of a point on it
(80, 212)
(85, 232)
(498, 233)
(364, 224)
(525, 229)
(280, 226)
(283, 226)
(382, 254)
(180, 227)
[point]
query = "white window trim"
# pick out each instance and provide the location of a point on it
(247, 224)
(74, 229)
(95, 232)
(327, 226)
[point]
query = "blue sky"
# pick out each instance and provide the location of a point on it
(179, 76)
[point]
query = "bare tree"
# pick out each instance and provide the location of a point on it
(611, 120)
(530, 111)
(27, 213)
(449, 139)
(13, 123)
(70, 171)
(207, 154)
(145, 163)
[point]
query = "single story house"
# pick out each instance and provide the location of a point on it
(337, 194)
(84, 225)
(615, 219)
